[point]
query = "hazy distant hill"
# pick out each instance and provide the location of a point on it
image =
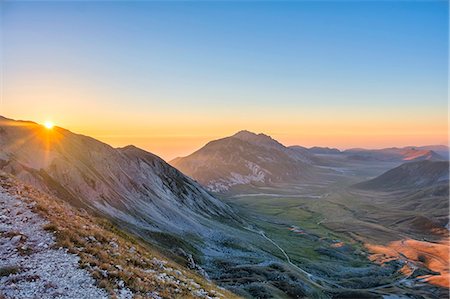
(441, 150)
(416, 194)
(324, 150)
(244, 158)
(412, 175)
(315, 150)
(394, 154)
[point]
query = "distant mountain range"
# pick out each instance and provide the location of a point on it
(409, 153)
(247, 158)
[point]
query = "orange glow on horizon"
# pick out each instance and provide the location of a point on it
(181, 131)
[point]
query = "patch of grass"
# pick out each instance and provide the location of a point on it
(8, 270)
(50, 227)
(167, 240)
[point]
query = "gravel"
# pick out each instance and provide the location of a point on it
(30, 267)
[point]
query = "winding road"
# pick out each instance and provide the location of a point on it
(328, 285)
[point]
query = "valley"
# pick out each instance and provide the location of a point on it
(333, 233)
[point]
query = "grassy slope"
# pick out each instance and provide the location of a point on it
(343, 214)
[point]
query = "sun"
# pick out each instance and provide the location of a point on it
(48, 124)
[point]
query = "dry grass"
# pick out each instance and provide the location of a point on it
(434, 256)
(6, 271)
(109, 254)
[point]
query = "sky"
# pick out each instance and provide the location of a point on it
(169, 76)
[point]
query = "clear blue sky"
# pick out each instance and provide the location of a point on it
(229, 58)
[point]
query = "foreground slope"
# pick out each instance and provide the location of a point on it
(245, 158)
(30, 262)
(49, 249)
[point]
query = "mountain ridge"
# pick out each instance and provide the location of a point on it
(114, 181)
(241, 159)
(249, 159)
(411, 175)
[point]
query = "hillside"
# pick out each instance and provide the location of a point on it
(244, 159)
(50, 249)
(412, 175)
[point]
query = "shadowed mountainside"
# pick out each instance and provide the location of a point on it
(410, 175)
(416, 194)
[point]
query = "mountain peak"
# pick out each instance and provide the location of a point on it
(245, 134)
(257, 139)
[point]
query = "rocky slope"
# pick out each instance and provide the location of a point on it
(244, 159)
(30, 266)
(49, 249)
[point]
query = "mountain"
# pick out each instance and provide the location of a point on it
(245, 158)
(411, 175)
(416, 194)
(324, 150)
(130, 185)
(441, 150)
(394, 154)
